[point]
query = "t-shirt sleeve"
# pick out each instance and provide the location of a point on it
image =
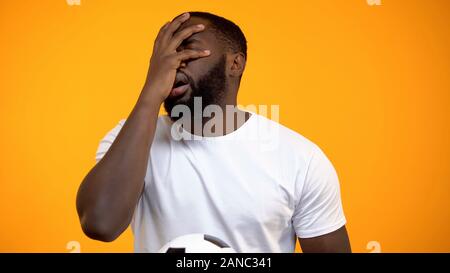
(318, 210)
(108, 140)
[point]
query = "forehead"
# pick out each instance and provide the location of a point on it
(206, 36)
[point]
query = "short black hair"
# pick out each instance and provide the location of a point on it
(227, 31)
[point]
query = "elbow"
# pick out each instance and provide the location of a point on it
(98, 230)
(96, 219)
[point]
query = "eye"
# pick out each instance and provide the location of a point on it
(189, 41)
(188, 44)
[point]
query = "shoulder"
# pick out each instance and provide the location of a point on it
(286, 140)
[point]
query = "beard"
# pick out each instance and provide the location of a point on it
(210, 88)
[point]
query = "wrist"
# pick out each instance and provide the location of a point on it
(151, 97)
(149, 102)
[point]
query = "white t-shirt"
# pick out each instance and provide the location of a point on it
(256, 188)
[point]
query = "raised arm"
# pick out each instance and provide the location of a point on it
(109, 193)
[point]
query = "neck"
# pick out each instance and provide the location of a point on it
(217, 120)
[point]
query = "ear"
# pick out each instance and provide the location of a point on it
(237, 64)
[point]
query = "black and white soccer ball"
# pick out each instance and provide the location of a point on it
(196, 243)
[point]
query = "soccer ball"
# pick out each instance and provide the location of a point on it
(196, 243)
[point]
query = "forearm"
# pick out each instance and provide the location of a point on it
(109, 193)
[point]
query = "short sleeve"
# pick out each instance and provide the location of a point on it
(319, 208)
(108, 140)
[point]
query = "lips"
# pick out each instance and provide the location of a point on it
(181, 85)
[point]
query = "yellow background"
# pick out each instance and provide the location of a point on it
(369, 84)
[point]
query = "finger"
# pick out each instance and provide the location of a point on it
(162, 29)
(180, 36)
(160, 33)
(192, 54)
(174, 25)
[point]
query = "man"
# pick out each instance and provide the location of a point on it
(171, 182)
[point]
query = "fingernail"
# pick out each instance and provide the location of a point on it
(200, 26)
(206, 51)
